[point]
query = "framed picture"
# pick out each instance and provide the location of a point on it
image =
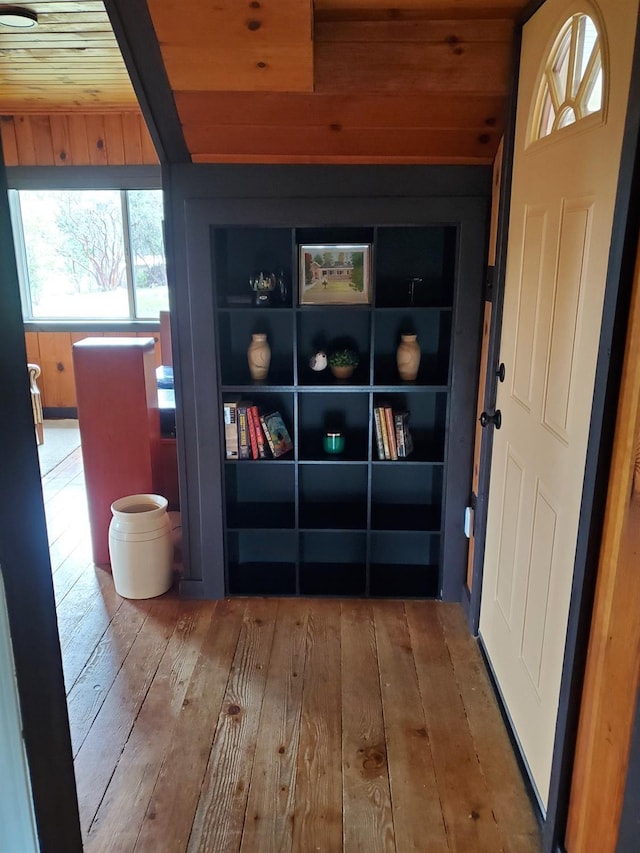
(335, 274)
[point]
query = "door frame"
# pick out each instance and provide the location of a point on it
(620, 270)
(26, 570)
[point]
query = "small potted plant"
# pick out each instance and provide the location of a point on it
(343, 362)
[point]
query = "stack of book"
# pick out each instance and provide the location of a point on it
(393, 438)
(248, 434)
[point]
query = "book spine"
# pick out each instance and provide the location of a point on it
(252, 432)
(391, 433)
(267, 435)
(244, 445)
(383, 429)
(255, 416)
(231, 430)
(398, 420)
(378, 428)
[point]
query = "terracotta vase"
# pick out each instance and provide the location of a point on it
(408, 357)
(259, 356)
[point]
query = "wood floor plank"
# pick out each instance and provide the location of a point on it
(102, 748)
(318, 808)
(59, 477)
(97, 603)
(219, 818)
(466, 805)
(126, 801)
(417, 810)
(368, 819)
(65, 510)
(71, 569)
(93, 684)
(168, 819)
(270, 807)
(510, 804)
(73, 539)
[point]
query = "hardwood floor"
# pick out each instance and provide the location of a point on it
(262, 725)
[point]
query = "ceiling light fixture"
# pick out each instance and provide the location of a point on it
(16, 16)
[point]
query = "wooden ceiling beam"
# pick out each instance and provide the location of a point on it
(283, 110)
(219, 144)
(319, 144)
(236, 47)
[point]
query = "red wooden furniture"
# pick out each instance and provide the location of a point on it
(119, 428)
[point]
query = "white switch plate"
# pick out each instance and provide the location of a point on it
(469, 516)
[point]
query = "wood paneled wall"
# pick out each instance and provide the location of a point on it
(52, 351)
(80, 139)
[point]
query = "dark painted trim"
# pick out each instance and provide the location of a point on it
(613, 335)
(493, 355)
(91, 327)
(52, 413)
(629, 830)
(529, 11)
(138, 43)
(466, 344)
(293, 181)
(84, 177)
(26, 570)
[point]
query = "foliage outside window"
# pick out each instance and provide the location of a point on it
(92, 254)
(572, 82)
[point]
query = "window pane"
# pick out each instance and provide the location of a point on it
(75, 253)
(594, 94)
(147, 250)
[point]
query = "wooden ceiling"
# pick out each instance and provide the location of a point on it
(69, 61)
(279, 81)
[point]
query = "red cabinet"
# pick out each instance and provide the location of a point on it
(119, 427)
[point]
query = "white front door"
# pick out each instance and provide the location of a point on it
(560, 221)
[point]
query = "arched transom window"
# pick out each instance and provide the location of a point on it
(571, 86)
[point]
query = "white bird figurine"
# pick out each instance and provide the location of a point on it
(318, 361)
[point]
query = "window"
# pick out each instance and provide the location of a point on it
(571, 87)
(91, 254)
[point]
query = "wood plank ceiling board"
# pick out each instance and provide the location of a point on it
(227, 46)
(69, 61)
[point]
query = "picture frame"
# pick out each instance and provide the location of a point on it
(335, 274)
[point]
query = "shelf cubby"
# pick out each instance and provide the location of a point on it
(235, 329)
(333, 497)
(406, 498)
(433, 330)
(333, 563)
(321, 412)
(404, 564)
(326, 329)
(260, 496)
(261, 562)
(406, 253)
(243, 252)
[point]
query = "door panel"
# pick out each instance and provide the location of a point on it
(563, 192)
(530, 293)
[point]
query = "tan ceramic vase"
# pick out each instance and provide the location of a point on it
(259, 356)
(408, 357)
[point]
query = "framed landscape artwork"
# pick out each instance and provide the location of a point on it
(335, 274)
